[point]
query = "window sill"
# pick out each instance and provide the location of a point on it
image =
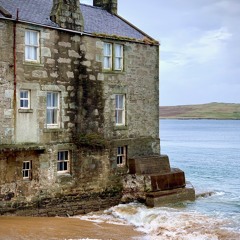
(63, 177)
(21, 110)
(27, 179)
(49, 130)
(64, 173)
(32, 63)
(120, 127)
(113, 71)
(121, 165)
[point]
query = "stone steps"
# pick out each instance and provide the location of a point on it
(166, 181)
(160, 198)
(166, 184)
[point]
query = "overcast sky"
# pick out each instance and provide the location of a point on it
(200, 47)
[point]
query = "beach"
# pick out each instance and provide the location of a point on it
(19, 228)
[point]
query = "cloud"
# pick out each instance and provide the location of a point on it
(199, 52)
(200, 49)
(209, 46)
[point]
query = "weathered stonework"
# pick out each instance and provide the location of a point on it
(70, 64)
(6, 84)
(67, 14)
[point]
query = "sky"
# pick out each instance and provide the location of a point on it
(199, 47)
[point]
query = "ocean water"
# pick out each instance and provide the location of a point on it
(208, 151)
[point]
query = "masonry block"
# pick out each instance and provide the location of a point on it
(171, 180)
(160, 198)
(149, 165)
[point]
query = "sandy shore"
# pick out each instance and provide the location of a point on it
(16, 228)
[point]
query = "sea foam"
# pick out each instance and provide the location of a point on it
(166, 223)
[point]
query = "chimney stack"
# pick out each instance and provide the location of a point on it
(67, 14)
(109, 5)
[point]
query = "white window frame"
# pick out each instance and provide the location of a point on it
(53, 110)
(111, 57)
(31, 46)
(24, 99)
(118, 58)
(63, 161)
(27, 170)
(107, 58)
(119, 110)
(121, 156)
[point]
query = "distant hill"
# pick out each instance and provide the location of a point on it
(202, 111)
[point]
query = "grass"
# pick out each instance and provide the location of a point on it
(202, 111)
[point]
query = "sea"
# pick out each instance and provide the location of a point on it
(208, 151)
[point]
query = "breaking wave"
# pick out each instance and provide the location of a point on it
(167, 223)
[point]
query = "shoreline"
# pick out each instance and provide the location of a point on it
(214, 110)
(58, 228)
(188, 118)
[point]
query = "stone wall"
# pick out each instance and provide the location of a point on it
(67, 14)
(6, 83)
(71, 64)
(140, 83)
(57, 71)
(109, 5)
(62, 205)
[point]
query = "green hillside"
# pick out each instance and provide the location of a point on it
(202, 111)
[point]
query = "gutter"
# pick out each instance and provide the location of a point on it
(46, 26)
(139, 30)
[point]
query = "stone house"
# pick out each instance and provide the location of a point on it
(79, 96)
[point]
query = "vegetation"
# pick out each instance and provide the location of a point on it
(145, 40)
(92, 140)
(201, 111)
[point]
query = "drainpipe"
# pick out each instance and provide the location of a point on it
(15, 89)
(15, 76)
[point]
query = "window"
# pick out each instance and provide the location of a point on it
(52, 109)
(107, 56)
(120, 109)
(24, 99)
(27, 170)
(31, 46)
(121, 156)
(118, 64)
(113, 60)
(63, 162)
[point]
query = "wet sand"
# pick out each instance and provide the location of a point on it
(35, 228)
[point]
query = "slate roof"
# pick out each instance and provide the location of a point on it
(96, 20)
